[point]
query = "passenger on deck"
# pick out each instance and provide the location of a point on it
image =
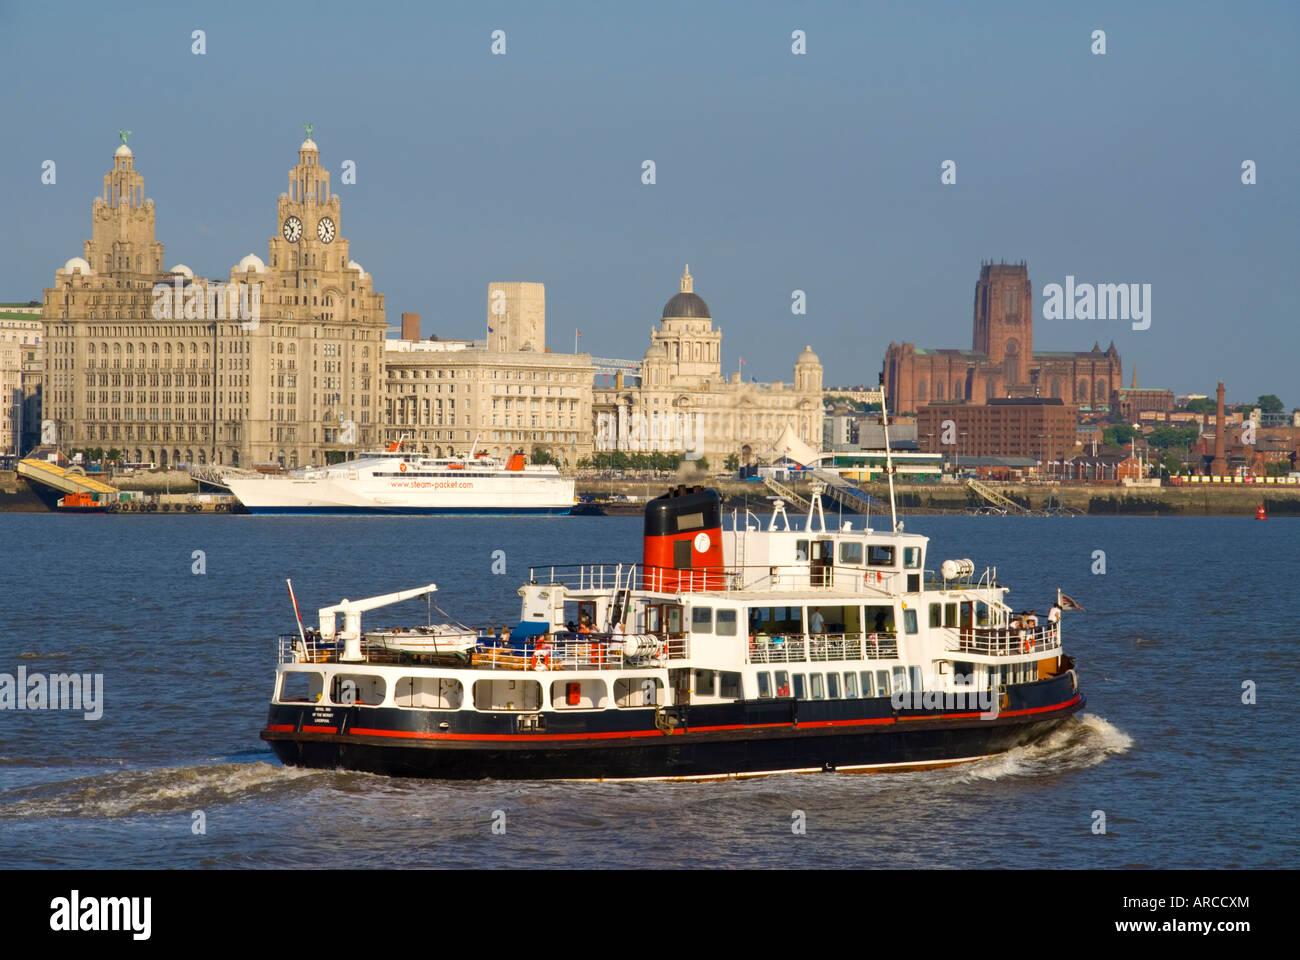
(571, 627)
(816, 622)
(618, 630)
(1054, 617)
(505, 637)
(584, 625)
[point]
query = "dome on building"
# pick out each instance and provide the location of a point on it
(808, 356)
(687, 304)
(309, 144)
(183, 270)
(76, 264)
(122, 151)
(656, 351)
(251, 262)
(353, 265)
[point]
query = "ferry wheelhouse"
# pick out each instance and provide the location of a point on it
(771, 647)
(395, 481)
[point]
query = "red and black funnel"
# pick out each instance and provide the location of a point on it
(683, 541)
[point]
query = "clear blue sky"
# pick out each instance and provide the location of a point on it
(775, 171)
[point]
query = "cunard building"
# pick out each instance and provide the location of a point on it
(282, 363)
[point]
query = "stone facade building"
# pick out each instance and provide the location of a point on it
(22, 371)
(1002, 361)
(684, 403)
(507, 392)
(281, 364)
(1041, 428)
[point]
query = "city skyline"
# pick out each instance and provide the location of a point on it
(526, 172)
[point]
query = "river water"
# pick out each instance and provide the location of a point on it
(173, 774)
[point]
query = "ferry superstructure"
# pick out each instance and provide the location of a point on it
(397, 482)
(770, 647)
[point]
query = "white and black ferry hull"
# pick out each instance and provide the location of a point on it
(714, 741)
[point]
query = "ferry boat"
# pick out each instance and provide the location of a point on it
(767, 648)
(394, 481)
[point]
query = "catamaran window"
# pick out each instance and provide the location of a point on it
(729, 685)
(815, 681)
(900, 680)
(782, 683)
(936, 614)
(880, 555)
(800, 686)
(850, 684)
(909, 620)
(778, 621)
(911, 558)
(638, 691)
(362, 689)
(507, 694)
(882, 683)
(726, 623)
(833, 686)
(880, 620)
(850, 552)
(299, 687)
(764, 685)
(430, 693)
(701, 619)
(704, 682)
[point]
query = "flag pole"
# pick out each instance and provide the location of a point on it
(296, 614)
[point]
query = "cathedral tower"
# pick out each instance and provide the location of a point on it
(1004, 321)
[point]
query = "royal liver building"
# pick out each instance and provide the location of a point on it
(280, 363)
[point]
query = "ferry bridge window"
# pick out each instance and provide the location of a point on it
(880, 555)
(775, 620)
(764, 685)
(815, 681)
(936, 614)
(729, 685)
(782, 683)
(981, 613)
(638, 691)
(704, 682)
(801, 550)
(800, 687)
(909, 620)
(701, 619)
(361, 689)
(726, 623)
(850, 684)
(833, 686)
(850, 553)
(299, 687)
(950, 614)
(911, 558)
(880, 620)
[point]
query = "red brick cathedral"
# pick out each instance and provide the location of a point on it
(1002, 361)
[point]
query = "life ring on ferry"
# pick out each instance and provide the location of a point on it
(873, 576)
(541, 659)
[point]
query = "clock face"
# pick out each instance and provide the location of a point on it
(325, 229)
(293, 229)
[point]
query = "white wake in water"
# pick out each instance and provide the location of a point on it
(1081, 742)
(127, 793)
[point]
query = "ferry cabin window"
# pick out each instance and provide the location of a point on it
(850, 684)
(782, 683)
(729, 685)
(815, 682)
(900, 680)
(880, 620)
(779, 621)
(850, 553)
(429, 693)
(916, 678)
(837, 620)
(704, 683)
(912, 558)
(882, 683)
(963, 672)
(880, 555)
(726, 623)
(909, 620)
(936, 614)
(800, 687)
(577, 694)
(359, 689)
(981, 613)
(801, 549)
(638, 691)
(507, 694)
(701, 619)
(833, 686)
(299, 687)
(950, 614)
(764, 685)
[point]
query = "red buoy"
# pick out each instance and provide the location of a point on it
(1260, 514)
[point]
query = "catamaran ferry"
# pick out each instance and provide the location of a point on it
(765, 648)
(396, 482)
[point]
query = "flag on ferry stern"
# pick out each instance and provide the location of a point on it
(1067, 602)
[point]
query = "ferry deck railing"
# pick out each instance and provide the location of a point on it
(1005, 641)
(798, 575)
(823, 647)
